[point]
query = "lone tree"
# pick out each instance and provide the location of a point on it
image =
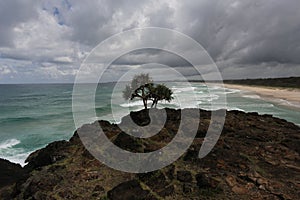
(143, 87)
(139, 88)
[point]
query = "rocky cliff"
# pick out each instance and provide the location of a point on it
(256, 157)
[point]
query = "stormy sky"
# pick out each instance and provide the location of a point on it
(46, 41)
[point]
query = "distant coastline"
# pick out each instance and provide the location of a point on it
(282, 91)
(286, 82)
(289, 82)
(289, 97)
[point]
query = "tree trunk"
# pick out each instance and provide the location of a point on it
(156, 101)
(152, 104)
(145, 103)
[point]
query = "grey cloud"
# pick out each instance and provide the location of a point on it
(93, 22)
(96, 21)
(144, 56)
(265, 70)
(249, 38)
(162, 17)
(13, 12)
(235, 33)
(249, 32)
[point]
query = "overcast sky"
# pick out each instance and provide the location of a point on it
(46, 41)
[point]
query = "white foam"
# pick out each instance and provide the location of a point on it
(252, 96)
(288, 103)
(9, 152)
(232, 91)
(255, 105)
(235, 108)
(132, 104)
(183, 89)
(18, 158)
(211, 107)
(208, 97)
(9, 143)
(197, 92)
(177, 91)
(214, 87)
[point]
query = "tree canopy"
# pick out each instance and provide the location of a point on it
(142, 87)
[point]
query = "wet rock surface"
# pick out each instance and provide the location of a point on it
(256, 157)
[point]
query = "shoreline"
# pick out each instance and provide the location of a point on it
(288, 97)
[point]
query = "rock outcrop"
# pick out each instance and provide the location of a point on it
(256, 157)
(10, 172)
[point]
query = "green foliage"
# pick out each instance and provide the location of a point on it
(142, 87)
(159, 93)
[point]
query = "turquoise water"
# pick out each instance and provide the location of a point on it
(32, 116)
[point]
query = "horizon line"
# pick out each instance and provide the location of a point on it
(48, 83)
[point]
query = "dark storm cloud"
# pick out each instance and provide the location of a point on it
(144, 56)
(247, 32)
(249, 38)
(241, 34)
(244, 34)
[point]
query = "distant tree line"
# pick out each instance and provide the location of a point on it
(290, 82)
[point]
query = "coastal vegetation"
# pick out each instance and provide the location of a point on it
(289, 82)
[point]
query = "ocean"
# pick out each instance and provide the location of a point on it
(34, 115)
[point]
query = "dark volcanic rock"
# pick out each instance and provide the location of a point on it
(38, 183)
(46, 155)
(127, 142)
(203, 181)
(130, 190)
(256, 157)
(184, 176)
(10, 172)
(156, 181)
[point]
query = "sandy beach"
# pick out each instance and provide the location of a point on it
(285, 96)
